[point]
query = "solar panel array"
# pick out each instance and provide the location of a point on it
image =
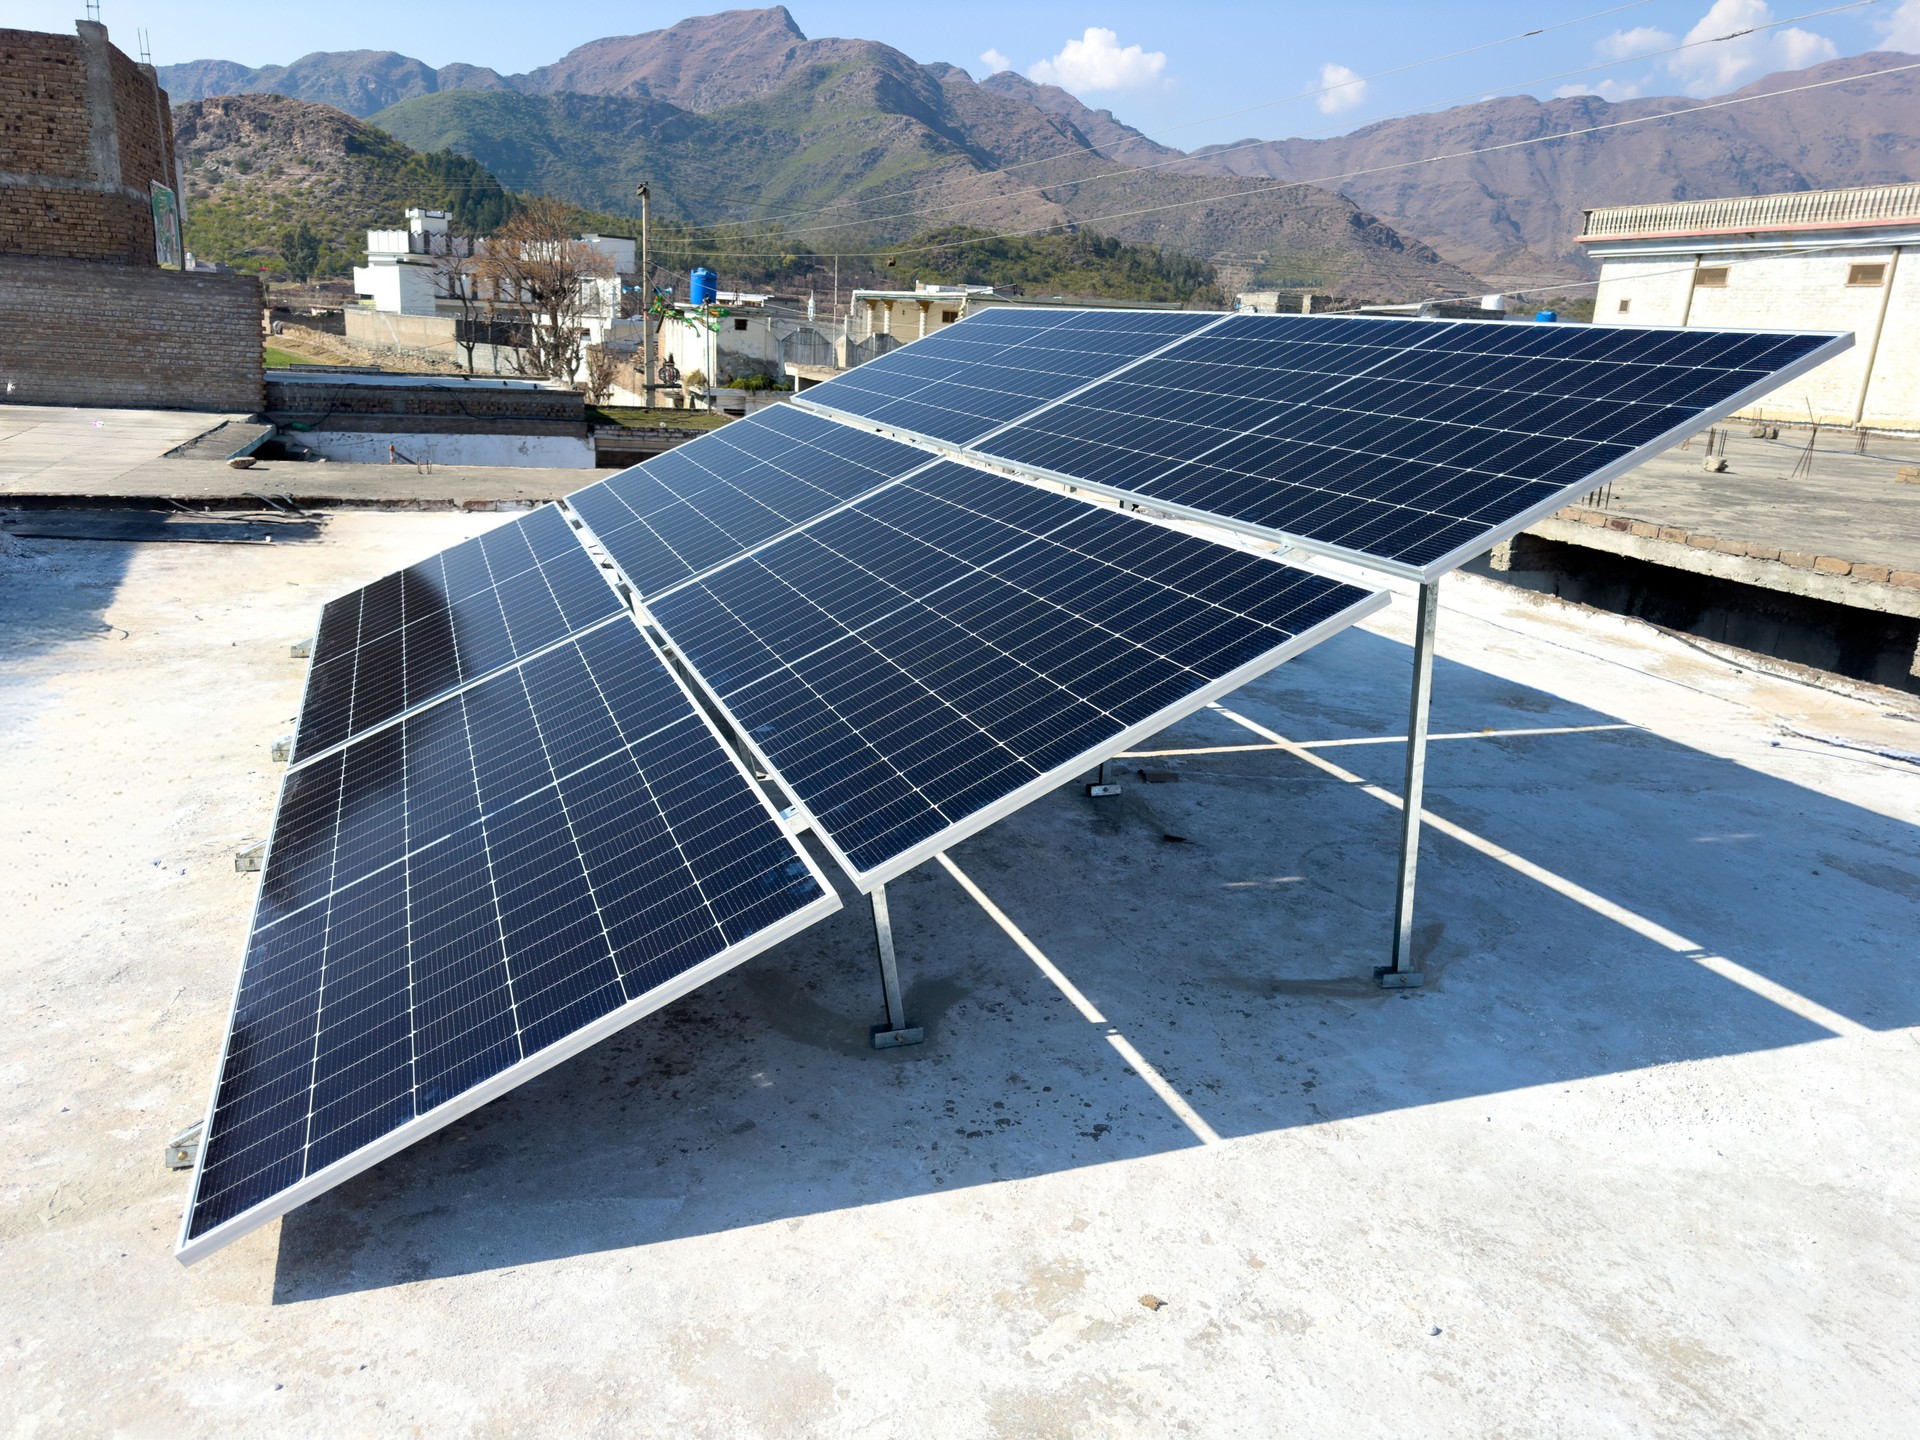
(914, 661)
(962, 381)
(462, 899)
(1401, 440)
(711, 499)
(510, 829)
(445, 622)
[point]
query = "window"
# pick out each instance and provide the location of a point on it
(1711, 277)
(1625, 306)
(1867, 275)
(947, 317)
(739, 324)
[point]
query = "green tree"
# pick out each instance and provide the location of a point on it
(300, 249)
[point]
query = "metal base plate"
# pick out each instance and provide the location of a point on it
(1098, 790)
(1392, 979)
(885, 1039)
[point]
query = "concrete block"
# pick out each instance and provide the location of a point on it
(1906, 579)
(1831, 565)
(1730, 547)
(1876, 573)
(1645, 529)
(1799, 559)
(1701, 542)
(1674, 534)
(1762, 552)
(1592, 517)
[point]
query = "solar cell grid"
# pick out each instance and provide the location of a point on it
(916, 664)
(458, 615)
(966, 379)
(465, 893)
(1406, 441)
(705, 502)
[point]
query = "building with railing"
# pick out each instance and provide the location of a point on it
(1808, 260)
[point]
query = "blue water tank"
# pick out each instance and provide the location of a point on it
(1545, 317)
(702, 286)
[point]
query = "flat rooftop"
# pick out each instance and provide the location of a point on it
(1638, 1160)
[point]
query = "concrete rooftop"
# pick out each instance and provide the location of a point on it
(1639, 1160)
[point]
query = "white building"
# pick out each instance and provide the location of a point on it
(1811, 260)
(399, 274)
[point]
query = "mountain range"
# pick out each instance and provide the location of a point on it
(848, 144)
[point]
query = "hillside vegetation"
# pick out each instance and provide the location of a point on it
(256, 166)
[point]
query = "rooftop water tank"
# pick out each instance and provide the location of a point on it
(1545, 317)
(702, 286)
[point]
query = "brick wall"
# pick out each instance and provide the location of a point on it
(82, 333)
(83, 131)
(43, 105)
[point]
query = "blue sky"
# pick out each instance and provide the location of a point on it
(1175, 71)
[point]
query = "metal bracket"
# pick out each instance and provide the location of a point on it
(897, 1030)
(250, 859)
(282, 748)
(1101, 785)
(184, 1148)
(301, 649)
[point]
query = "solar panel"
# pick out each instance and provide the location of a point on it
(1408, 444)
(423, 631)
(709, 500)
(461, 900)
(919, 664)
(966, 379)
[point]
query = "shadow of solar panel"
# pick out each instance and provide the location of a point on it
(997, 365)
(923, 662)
(418, 633)
(709, 500)
(1410, 442)
(463, 899)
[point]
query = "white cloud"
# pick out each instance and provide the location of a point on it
(995, 61)
(1341, 88)
(1901, 29)
(1096, 61)
(1625, 44)
(1605, 89)
(1726, 65)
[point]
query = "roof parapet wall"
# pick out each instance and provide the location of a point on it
(1804, 209)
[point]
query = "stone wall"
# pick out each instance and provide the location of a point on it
(82, 333)
(86, 130)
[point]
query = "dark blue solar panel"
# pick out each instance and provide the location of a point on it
(461, 893)
(705, 502)
(910, 661)
(461, 614)
(962, 381)
(1410, 441)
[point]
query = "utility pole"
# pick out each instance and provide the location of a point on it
(646, 296)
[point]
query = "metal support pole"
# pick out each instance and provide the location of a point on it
(646, 294)
(896, 1031)
(1103, 784)
(1404, 973)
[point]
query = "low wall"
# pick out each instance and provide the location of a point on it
(564, 452)
(82, 332)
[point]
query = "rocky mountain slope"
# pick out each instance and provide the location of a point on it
(740, 117)
(255, 165)
(1520, 208)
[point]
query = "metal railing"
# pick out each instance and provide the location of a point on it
(1757, 212)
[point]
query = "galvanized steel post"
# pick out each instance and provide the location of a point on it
(1404, 973)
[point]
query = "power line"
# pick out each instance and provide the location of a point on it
(1131, 171)
(1224, 115)
(1368, 170)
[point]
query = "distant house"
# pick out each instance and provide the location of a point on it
(1809, 260)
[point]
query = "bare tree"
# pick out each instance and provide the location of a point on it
(456, 277)
(536, 270)
(603, 368)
